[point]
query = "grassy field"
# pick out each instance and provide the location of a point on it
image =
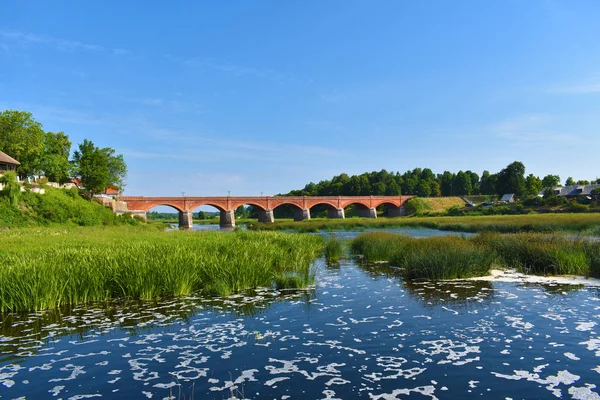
(585, 222)
(49, 267)
(440, 204)
(451, 257)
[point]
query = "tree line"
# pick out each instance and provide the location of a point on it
(424, 183)
(46, 154)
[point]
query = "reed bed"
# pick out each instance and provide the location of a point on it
(586, 222)
(452, 257)
(439, 257)
(43, 269)
(545, 254)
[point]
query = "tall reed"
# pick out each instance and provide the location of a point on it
(442, 257)
(64, 267)
(458, 257)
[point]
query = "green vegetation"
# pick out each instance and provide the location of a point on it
(544, 254)
(56, 207)
(334, 250)
(417, 206)
(99, 168)
(439, 257)
(47, 154)
(453, 257)
(587, 223)
(47, 268)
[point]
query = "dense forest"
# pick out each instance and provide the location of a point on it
(424, 183)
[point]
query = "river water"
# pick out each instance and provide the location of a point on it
(362, 332)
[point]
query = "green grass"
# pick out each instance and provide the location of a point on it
(58, 207)
(48, 268)
(588, 222)
(450, 257)
(545, 254)
(439, 257)
(334, 250)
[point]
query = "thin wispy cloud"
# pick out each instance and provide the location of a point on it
(237, 70)
(532, 129)
(65, 45)
(584, 87)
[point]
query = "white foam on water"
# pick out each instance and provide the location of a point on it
(584, 393)
(273, 381)
(572, 356)
(427, 391)
(585, 326)
(552, 381)
(497, 275)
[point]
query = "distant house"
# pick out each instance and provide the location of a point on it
(572, 190)
(7, 163)
(509, 198)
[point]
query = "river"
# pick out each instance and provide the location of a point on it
(362, 332)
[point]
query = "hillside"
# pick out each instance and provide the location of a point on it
(57, 207)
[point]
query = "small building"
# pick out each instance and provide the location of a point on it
(7, 163)
(572, 190)
(508, 198)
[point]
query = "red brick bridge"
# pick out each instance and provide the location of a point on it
(366, 206)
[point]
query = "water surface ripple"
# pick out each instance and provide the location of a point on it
(361, 333)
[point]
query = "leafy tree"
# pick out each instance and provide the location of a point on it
(98, 168)
(462, 184)
(583, 182)
(474, 182)
(393, 189)
(21, 137)
(423, 189)
(487, 183)
(533, 184)
(117, 169)
(54, 161)
(512, 179)
(436, 190)
(570, 181)
(551, 181)
(446, 183)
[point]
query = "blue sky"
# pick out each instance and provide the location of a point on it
(259, 97)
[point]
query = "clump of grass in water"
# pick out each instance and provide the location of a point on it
(334, 249)
(452, 257)
(545, 254)
(442, 257)
(69, 267)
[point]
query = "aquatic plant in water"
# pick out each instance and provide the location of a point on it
(69, 267)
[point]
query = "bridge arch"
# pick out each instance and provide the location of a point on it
(150, 206)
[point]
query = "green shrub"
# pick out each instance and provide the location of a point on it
(416, 206)
(12, 188)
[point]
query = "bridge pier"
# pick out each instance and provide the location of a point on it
(185, 220)
(301, 215)
(266, 216)
(368, 212)
(396, 211)
(334, 213)
(227, 219)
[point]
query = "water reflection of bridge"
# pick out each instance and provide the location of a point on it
(366, 206)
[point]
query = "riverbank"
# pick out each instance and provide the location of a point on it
(51, 267)
(581, 223)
